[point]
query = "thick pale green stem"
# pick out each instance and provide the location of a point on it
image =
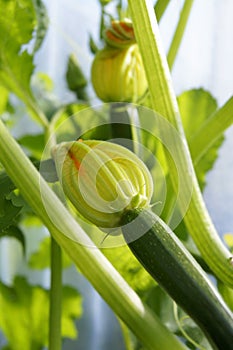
(91, 262)
(210, 131)
(179, 32)
(164, 102)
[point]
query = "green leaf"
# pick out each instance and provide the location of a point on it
(34, 143)
(41, 258)
(24, 314)
(75, 78)
(8, 213)
(92, 45)
(16, 67)
(16, 64)
(42, 23)
(129, 267)
(196, 106)
(17, 23)
(71, 310)
(8, 210)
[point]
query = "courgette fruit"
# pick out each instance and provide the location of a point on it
(172, 266)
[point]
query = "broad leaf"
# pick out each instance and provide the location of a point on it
(17, 23)
(196, 106)
(41, 258)
(28, 307)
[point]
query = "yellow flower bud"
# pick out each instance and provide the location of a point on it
(118, 75)
(102, 180)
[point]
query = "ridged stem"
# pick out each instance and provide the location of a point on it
(164, 102)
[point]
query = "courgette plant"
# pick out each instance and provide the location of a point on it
(90, 174)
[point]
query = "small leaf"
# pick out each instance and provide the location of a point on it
(75, 78)
(92, 45)
(8, 213)
(41, 259)
(9, 209)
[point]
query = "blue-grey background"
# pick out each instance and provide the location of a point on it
(205, 60)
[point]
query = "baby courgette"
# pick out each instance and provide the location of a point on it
(172, 266)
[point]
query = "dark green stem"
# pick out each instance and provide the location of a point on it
(55, 339)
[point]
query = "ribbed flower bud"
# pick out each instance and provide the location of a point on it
(120, 34)
(102, 180)
(117, 72)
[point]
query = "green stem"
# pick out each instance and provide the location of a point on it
(126, 335)
(55, 310)
(210, 131)
(179, 32)
(182, 330)
(55, 339)
(160, 8)
(163, 100)
(90, 261)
